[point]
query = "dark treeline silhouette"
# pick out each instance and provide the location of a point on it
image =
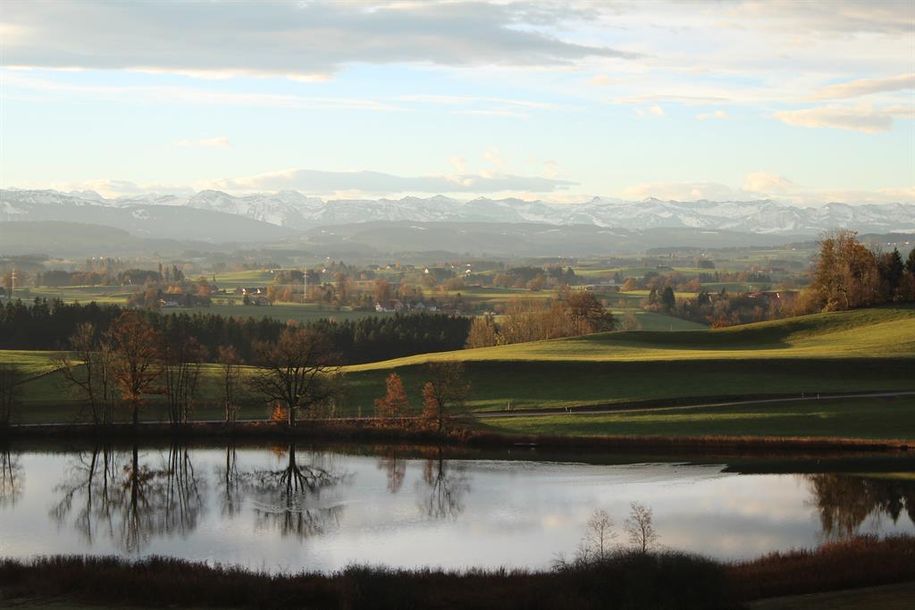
(48, 325)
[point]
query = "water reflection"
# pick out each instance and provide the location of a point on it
(230, 483)
(845, 502)
(295, 507)
(290, 497)
(12, 478)
(443, 487)
(127, 499)
(395, 468)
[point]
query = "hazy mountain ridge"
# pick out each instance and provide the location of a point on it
(292, 210)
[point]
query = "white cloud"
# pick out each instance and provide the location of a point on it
(765, 185)
(218, 142)
(764, 182)
(14, 80)
(369, 182)
(864, 119)
(685, 191)
(303, 39)
(111, 188)
(653, 111)
(866, 86)
(714, 115)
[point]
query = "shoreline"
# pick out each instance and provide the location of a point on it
(653, 579)
(368, 431)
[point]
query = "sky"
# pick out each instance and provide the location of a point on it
(804, 102)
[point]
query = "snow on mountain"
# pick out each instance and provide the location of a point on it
(292, 210)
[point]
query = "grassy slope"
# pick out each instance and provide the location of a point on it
(872, 418)
(868, 333)
(867, 350)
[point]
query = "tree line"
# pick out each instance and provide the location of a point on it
(297, 373)
(571, 313)
(48, 325)
(849, 275)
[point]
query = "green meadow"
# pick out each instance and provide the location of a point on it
(860, 351)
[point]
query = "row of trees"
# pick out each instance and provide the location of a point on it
(444, 392)
(46, 325)
(132, 361)
(297, 373)
(572, 313)
(849, 275)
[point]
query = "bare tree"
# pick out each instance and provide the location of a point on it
(136, 362)
(182, 358)
(11, 380)
(89, 370)
(230, 368)
(445, 392)
(640, 528)
(597, 543)
(298, 371)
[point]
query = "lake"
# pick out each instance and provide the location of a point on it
(289, 508)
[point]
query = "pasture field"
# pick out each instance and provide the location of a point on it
(298, 312)
(867, 333)
(860, 351)
(870, 418)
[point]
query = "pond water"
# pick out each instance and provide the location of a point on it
(290, 508)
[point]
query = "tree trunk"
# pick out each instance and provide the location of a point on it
(136, 414)
(291, 416)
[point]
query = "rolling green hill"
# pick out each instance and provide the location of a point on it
(868, 333)
(864, 350)
(858, 351)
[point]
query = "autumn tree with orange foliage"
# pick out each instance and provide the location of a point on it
(394, 404)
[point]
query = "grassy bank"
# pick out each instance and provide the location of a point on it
(849, 352)
(462, 433)
(866, 418)
(666, 580)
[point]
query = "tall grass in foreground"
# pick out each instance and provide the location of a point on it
(622, 580)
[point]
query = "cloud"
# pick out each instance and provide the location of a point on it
(111, 188)
(219, 142)
(707, 116)
(764, 182)
(304, 39)
(867, 86)
(654, 110)
(324, 182)
(164, 94)
(766, 185)
(864, 119)
(686, 191)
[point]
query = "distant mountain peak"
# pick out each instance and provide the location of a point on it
(293, 210)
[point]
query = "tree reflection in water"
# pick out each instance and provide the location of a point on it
(230, 482)
(116, 493)
(290, 497)
(442, 488)
(395, 468)
(12, 479)
(844, 502)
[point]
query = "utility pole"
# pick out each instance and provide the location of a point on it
(305, 285)
(12, 283)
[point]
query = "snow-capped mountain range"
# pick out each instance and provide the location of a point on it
(294, 211)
